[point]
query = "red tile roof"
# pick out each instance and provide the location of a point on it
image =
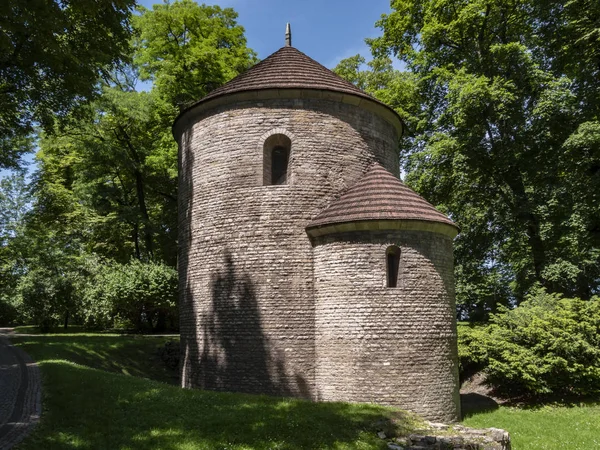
(379, 195)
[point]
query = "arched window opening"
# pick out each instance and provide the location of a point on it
(276, 160)
(393, 265)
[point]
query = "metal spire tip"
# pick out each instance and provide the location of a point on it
(288, 35)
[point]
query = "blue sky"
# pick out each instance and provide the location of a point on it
(327, 30)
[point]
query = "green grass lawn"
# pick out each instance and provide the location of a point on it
(130, 355)
(546, 427)
(91, 401)
(32, 329)
(107, 391)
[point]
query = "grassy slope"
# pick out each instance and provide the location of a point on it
(91, 403)
(550, 427)
(96, 406)
(130, 355)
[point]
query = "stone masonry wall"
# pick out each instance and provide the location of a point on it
(245, 262)
(394, 346)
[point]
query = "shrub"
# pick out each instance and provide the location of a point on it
(47, 297)
(9, 311)
(548, 346)
(139, 295)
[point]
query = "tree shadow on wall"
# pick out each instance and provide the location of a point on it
(236, 354)
(187, 308)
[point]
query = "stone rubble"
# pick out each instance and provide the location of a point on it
(455, 437)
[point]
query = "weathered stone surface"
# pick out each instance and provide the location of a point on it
(266, 310)
(394, 346)
(247, 297)
(456, 437)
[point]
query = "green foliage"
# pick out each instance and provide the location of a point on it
(393, 87)
(114, 176)
(14, 204)
(47, 297)
(188, 50)
(138, 295)
(52, 54)
(40, 263)
(502, 137)
(106, 186)
(547, 346)
(9, 311)
(111, 175)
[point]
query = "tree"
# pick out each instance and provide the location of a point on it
(139, 295)
(14, 205)
(114, 176)
(504, 138)
(106, 188)
(111, 174)
(51, 56)
(395, 88)
(187, 50)
(47, 297)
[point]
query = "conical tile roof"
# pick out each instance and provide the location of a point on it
(287, 68)
(379, 195)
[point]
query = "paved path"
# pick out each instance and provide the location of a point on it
(20, 393)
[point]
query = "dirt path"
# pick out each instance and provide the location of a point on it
(20, 393)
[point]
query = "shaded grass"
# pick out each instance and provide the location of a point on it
(130, 355)
(32, 329)
(545, 427)
(93, 408)
(89, 409)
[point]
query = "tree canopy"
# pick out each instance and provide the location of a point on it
(51, 56)
(503, 117)
(105, 191)
(501, 99)
(189, 50)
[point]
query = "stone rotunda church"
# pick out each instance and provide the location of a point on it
(307, 268)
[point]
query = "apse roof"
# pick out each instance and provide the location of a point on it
(379, 195)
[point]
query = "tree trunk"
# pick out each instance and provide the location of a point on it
(136, 240)
(524, 214)
(139, 184)
(161, 322)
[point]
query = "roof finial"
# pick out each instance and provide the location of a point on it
(288, 35)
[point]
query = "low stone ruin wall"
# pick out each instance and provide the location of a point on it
(455, 437)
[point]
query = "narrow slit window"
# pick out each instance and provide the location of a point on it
(393, 265)
(276, 160)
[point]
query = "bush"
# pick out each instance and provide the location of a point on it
(9, 311)
(138, 295)
(548, 346)
(47, 297)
